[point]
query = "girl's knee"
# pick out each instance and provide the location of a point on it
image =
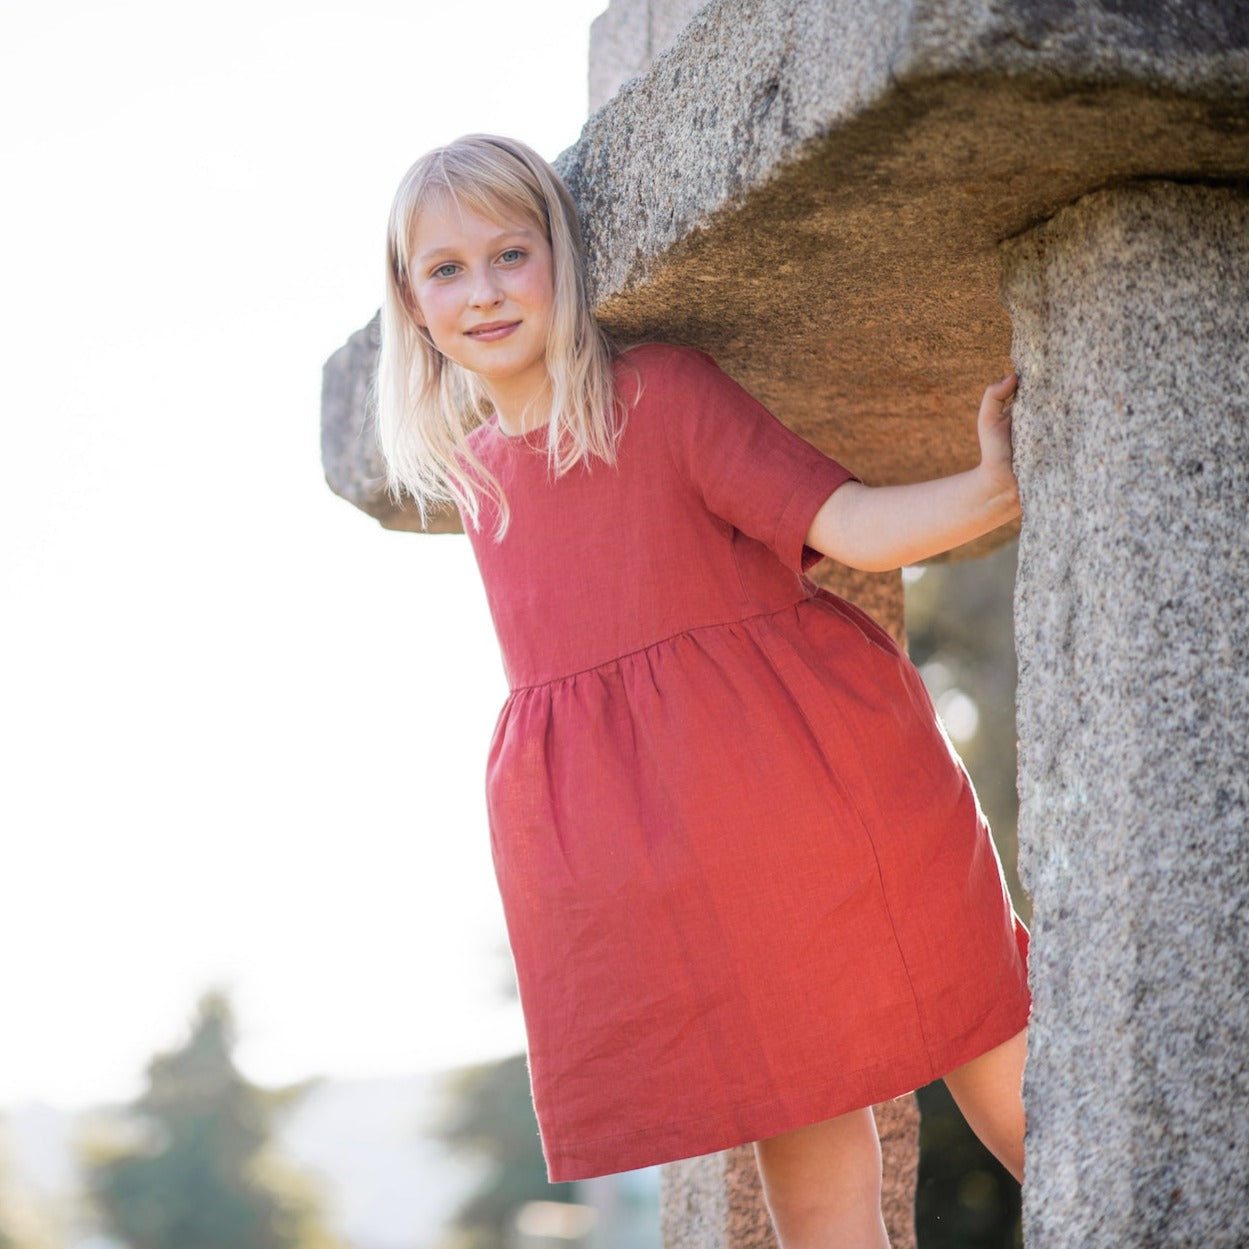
(824, 1179)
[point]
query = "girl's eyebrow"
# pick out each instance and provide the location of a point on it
(434, 251)
(447, 249)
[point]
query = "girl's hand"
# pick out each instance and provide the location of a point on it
(993, 426)
(881, 527)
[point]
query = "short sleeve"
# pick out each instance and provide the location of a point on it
(749, 468)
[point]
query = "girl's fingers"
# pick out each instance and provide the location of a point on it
(997, 398)
(995, 421)
(1001, 391)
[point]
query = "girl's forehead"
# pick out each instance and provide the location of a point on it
(458, 210)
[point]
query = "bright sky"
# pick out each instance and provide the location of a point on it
(244, 727)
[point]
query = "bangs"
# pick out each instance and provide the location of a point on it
(483, 180)
(497, 193)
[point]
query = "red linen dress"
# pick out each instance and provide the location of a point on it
(747, 882)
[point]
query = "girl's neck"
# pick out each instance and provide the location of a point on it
(520, 411)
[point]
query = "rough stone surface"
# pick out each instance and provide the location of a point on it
(1131, 313)
(814, 190)
(897, 1122)
(350, 455)
(627, 37)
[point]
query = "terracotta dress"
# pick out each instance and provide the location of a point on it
(747, 882)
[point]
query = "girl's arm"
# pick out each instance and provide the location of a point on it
(877, 528)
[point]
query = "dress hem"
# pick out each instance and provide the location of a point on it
(742, 1125)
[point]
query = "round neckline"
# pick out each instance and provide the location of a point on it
(493, 422)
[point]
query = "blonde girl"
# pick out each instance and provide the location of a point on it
(748, 887)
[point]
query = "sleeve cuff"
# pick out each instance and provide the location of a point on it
(808, 497)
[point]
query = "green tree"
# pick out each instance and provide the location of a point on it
(489, 1114)
(960, 633)
(196, 1169)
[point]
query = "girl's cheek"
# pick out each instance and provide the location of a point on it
(430, 305)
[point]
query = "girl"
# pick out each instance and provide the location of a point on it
(748, 887)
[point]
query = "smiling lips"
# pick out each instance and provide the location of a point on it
(491, 331)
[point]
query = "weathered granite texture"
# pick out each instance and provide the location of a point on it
(1131, 314)
(627, 36)
(814, 190)
(350, 456)
(714, 1203)
(897, 1123)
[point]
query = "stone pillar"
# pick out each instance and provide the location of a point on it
(715, 1202)
(627, 36)
(1131, 324)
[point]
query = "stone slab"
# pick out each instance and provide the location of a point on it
(627, 36)
(350, 456)
(1131, 313)
(814, 190)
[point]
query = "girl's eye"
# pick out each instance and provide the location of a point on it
(446, 271)
(512, 256)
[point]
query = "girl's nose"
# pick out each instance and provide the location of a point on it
(485, 292)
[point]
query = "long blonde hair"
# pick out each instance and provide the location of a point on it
(426, 404)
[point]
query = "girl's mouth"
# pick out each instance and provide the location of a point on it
(491, 331)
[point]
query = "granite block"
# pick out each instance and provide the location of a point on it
(1131, 314)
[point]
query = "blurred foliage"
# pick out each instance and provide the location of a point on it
(965, 1199)
(189, 1164)
(960, 633)
(489, 1114)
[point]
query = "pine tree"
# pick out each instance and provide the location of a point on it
(958, 619)
(198, 1170)
(489, 1115)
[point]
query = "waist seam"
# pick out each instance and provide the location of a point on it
(714, 624)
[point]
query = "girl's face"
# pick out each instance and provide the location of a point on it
(484, 289)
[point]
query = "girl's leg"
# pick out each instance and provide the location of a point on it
(989, 1092)
(822, 1184)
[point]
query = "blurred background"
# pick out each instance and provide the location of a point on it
(253, 974)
